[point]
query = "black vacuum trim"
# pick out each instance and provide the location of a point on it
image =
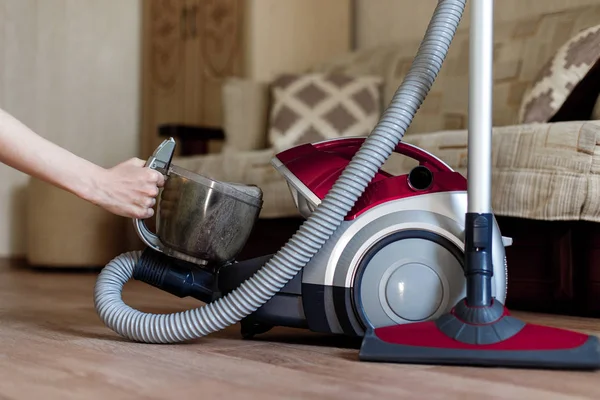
(420, 178)
(177, 277)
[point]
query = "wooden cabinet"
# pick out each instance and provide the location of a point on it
(190, 46)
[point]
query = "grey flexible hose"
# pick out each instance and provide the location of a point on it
(315, 231)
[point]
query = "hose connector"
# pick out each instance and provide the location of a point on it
(174, 276)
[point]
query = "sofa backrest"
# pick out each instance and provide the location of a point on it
(521, 49)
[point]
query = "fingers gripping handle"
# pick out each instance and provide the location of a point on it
(159, 161)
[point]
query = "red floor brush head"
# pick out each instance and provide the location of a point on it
(435, 342)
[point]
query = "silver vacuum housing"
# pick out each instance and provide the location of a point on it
(398, 262)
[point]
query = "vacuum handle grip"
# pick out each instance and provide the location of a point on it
(422, 156)
(159, 161)
(351, 145)
(147, 236)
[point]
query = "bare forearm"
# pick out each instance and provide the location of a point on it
(24, 150)
(128, 189)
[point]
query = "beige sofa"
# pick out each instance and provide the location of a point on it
(543, 170)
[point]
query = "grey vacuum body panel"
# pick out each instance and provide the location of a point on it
(398, 263)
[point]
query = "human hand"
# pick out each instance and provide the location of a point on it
(129, 189)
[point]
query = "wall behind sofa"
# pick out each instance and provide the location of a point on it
(69, 70)
(380, 22)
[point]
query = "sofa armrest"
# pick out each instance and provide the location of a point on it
(194, 139)
(245, 113)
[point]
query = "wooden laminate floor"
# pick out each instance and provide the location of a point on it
(53, 346)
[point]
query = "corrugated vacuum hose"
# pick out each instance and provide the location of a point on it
(314, 232)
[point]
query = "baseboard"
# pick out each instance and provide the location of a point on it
(13, 261)
(21, 262)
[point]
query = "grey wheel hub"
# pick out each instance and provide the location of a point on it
(409, 279)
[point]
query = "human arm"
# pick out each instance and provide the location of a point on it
(127, 189)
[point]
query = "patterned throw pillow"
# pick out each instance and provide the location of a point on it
(563, 79)
(312, 107)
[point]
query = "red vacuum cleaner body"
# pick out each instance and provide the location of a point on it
(312, 169)
(398, 256)
(476, 332)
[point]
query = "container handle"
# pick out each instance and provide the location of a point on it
(159, 161)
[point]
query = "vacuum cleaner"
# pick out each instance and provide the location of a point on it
(413, 264)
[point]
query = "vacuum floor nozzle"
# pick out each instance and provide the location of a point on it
(534, 346)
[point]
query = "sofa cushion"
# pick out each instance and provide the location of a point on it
(539, 171)
(521, 47)
(561, 78)
(313, 107)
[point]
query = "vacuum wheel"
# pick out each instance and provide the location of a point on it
(407, 277)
